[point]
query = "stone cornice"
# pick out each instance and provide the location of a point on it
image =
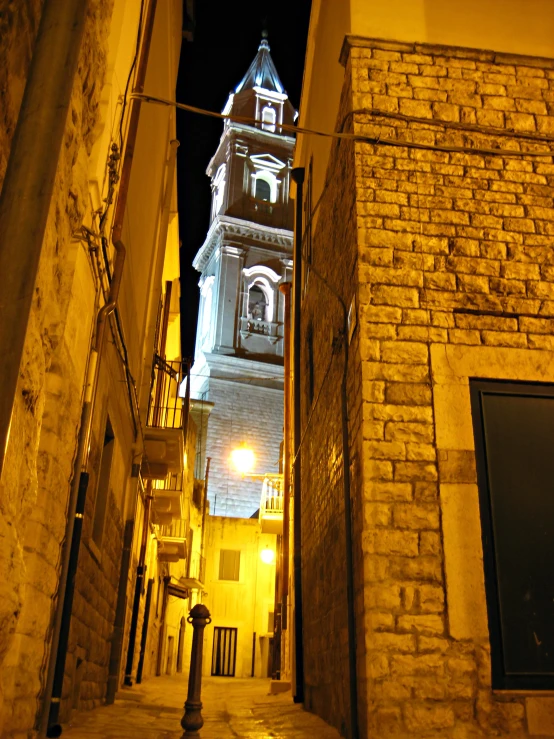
(225, 368)
(459, 52)
(234, 131)
(239, 229)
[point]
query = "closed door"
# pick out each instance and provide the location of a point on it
(224, 652)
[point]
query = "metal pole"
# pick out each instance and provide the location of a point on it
(285, 289)
(192, 720)
(116, 647)
(298, 176)
(350, 601)
(29, 183)
(139, 584)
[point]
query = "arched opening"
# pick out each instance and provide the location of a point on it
(263, 190)
(257, 304)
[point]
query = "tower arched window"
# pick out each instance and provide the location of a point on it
(264, 186)
(269, 116)
(263, 190)
(257, 303)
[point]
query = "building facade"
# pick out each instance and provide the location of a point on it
(434, 238)
(240, 595)
(245, 257)
(97, 495)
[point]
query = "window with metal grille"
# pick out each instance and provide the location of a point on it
(229, 564)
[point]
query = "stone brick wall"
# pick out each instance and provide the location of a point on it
(334, 256)
(242, 413)
(453, 248)
(97, 578)
(38, 465)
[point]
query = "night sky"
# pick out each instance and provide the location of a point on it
(226, 39)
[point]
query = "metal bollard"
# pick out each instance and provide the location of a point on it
(192, 720)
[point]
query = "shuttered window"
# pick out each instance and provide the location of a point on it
(229, 564)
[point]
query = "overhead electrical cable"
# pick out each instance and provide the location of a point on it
(380, 140)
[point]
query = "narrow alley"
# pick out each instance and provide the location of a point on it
(233, 709)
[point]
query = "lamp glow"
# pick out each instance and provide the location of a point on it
(267, 556)
(243, 459)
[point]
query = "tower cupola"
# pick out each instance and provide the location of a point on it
(260, 94)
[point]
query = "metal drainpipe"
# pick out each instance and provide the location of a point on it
(161, 633)
(139, 584)
(351, 615)
(29, 183)
(49, 721)
(285, 289)
(298, 176)
(119, 622)
(144, 636)
(345, 440)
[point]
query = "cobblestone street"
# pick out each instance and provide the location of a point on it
(233, 709)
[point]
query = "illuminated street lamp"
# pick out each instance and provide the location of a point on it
(267, 556)
(243, 459)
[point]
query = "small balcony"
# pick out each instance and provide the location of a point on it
(256, 327)
(272, 504)
(164, 444)
(168, 498)
(172, 541)
(196, 572)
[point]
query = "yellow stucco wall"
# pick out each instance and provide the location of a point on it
(246, 603)
(509, 26)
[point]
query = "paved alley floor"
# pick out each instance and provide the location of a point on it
(233, 709)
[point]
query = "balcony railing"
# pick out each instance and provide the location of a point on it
(165, 409)
(272, 504)
(176, 529)
(256, 327)
(164, 443)
(172, 541)
(168, 498)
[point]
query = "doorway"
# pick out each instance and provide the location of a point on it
(224, 652)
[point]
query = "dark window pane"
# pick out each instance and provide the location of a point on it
(263, 190)
(515, 439)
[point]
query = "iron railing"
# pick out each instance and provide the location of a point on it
(165, 408)
(172, 482)
(176, 529)
(272, 495)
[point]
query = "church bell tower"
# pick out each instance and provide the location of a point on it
(246, 255)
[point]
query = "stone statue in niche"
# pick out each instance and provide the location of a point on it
(256, 304)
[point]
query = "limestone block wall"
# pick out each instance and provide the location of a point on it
(334, 258)
(454, 273)
(242, 413)
(98, 571)
(38, 466)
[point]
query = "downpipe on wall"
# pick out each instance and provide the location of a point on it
(139, 585)
(350, 600)
(297, 175)
(49, 721)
